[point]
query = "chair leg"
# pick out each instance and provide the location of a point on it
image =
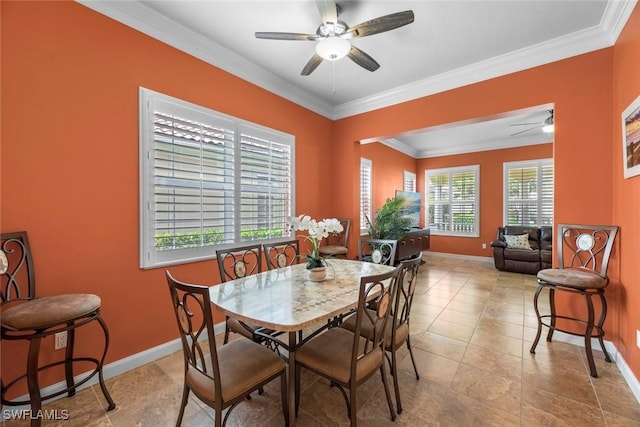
(32, 380)
(587, 336)
(297, 388)
(603, 316)
(532, 350)
(183, 404)
(68, 360)
(386, 392)
(552, 308)
(103, 386)
(413, 360)
(226, 330)
(396, 384)
(353, 407)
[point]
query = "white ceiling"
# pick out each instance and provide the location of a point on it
(450, 44)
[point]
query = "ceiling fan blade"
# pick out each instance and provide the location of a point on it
(362, 59)
(285, 36)
(328, 10)
(311, 65)
(525, 124)
(381, 24)
(523, 131)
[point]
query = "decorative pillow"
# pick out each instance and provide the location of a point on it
(518, 241)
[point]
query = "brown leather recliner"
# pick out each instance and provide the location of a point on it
(523, 260)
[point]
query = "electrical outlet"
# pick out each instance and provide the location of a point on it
(638, 337)
(60, 340)
(484, 246)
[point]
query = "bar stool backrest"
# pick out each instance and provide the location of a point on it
(586, 247)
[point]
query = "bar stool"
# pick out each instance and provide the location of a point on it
(31, 318)
(583, 259)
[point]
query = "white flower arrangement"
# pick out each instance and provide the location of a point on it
(317, 230)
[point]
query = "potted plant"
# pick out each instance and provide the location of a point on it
(390, 221)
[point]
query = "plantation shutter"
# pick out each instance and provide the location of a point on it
(452, 200)
(265, 180)
(529, 193)
(365, 193)
(409, 181)
(193, 179)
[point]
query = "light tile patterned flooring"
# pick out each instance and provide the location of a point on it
(471, 329)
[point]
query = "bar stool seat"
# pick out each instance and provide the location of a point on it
(45, 312)
(569, 278)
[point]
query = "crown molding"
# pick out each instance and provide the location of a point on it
(395, 144)
(138, 16)
(141, 18)
(455, 147)
(597, 37)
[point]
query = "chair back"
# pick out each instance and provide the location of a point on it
(281, 254)
(586, 247)
(339, 239)
(239, 261)
(192, 307)
(17, 276)
(378, 251)
(373, 288)
(407, 281)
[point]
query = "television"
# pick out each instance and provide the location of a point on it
(412, 210)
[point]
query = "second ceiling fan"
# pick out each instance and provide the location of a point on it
(333, 36)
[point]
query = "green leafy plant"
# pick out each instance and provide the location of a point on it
(390, 222)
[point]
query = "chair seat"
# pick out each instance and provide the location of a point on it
(333, 250)
(401, 334)
(572, 278)
(45, 312)
(243, 365)
(330, 354)
(236, 326)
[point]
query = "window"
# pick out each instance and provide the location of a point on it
(528, 193)
(365, 194)
(409, 181)
(452, 201)
(208, 179)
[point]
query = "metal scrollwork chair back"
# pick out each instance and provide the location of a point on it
(281, 254)
(378, 251)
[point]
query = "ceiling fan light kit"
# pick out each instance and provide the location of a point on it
(333, 48)
(333, 36)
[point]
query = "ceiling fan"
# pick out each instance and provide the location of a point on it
(546, 125)
(333, 36)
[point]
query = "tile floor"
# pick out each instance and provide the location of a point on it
(471, 329)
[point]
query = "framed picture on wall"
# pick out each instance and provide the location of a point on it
(631, 139)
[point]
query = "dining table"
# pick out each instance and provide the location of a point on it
(286, 300)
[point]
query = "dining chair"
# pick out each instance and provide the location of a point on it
(347, 359)
(583, 258)
(235, 263)
(220, 377)
(336, 243)
(397, 330)
(281, 254)
(25, 316)
(379, 251)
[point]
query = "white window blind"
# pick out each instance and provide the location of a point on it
(452, 201)
(409, 181)
(528, 193)
(365, 193)
(207, 179)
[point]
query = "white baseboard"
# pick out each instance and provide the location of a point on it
(626, 372)
(111, 370)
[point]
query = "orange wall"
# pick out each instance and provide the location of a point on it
(70, 75)
(491, 193)
(626, 195)
(69, 170)
(387, 172)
